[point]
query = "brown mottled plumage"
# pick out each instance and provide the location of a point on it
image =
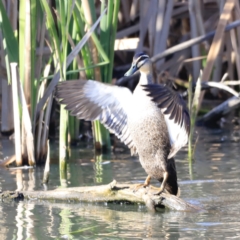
(153, 121)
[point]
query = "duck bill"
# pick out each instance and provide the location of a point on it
(131, 71)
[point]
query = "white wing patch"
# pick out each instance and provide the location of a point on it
(177, 134)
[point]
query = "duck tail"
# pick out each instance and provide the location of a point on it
(172, 184)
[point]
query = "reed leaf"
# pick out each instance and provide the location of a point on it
(17, 139)
(10, 43)
(193, 107)
(70, 58)
(52, 31)
(33, 31)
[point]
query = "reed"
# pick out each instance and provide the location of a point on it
(193, 104)
(37, 91)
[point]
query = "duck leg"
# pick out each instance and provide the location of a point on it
(147, 181)
(145, 184)
(162, 187)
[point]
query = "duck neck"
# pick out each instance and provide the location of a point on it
(146, 77)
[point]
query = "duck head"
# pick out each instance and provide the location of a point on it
(141, 62)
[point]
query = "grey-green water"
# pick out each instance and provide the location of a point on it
(212, 182)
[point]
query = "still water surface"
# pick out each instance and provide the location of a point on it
(212, 182)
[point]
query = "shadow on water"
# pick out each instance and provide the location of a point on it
(212, 182)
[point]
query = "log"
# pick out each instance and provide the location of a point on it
(221, 110)
(7, 161)
(113, 192)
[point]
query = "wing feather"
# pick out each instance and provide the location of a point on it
(92, 100)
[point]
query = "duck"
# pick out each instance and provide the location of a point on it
(153, 120)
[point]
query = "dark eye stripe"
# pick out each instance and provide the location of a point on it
(143, 57)
(140, 61)
(139, 64)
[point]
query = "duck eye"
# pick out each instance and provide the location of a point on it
(134, 67)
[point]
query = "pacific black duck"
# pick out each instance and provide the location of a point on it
(153, 121)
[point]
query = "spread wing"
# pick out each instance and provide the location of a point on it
(92, 100)
(175, 113)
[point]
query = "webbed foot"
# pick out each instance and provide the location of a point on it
(159, 190)
(144, 185)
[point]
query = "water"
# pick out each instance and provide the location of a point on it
(211, 182)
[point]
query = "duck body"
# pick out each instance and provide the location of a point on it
(149, 132)
(152, 121)
(150, 135)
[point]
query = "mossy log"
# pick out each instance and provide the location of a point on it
(113, 192)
